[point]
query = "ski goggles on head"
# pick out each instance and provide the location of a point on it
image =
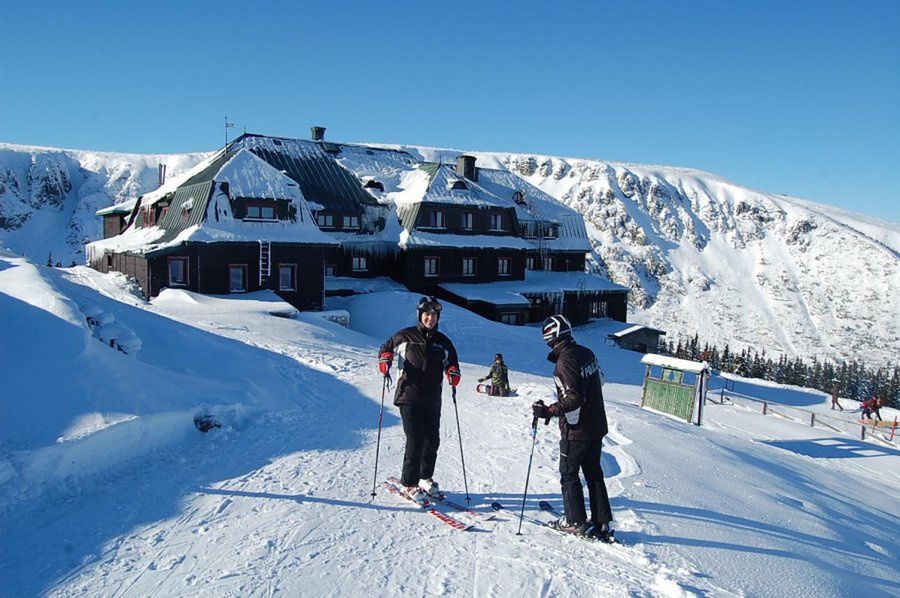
(430, 306)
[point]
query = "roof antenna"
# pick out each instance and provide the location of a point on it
(228, 125)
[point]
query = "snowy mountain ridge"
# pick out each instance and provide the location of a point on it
(700, 254)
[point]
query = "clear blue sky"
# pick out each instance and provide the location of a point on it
(796, 97)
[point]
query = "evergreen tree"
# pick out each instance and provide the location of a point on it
(50, 260)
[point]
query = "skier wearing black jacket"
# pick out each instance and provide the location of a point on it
(424, 355)
(582, 426)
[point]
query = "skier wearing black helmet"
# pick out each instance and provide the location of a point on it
(582, 426)
(424, 355)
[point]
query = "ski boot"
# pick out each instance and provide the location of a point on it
(564, 525)
(431, 488)
(603, 533)
(416, 494)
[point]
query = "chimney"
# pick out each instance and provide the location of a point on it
(162, 174)
(318, 133)
(465, 167)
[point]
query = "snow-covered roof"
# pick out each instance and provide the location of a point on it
(247, 176)
(536, 205)
(362, 285)
(323, 180)
(440, 183)
(514, 292)
(418, 238)
(250, 176)
(633, 329)
(674, 363)
(124, 207)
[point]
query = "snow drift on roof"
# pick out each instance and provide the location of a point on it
(674, 363)
(250, 176)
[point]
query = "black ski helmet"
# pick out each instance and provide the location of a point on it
(498, 356)
(429, 303)
(555, 328)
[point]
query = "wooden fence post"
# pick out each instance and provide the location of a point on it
(765, 407)
(812, 420)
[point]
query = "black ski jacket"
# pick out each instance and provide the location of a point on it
(579, 405)
(422, 357)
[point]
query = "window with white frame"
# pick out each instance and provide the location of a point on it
(467, 219)
(431, 266)
(529, 263)
(325, 220)
(360, 265)
(548, 264)
(351, 221)
(468, 266)
(436, 219)
(496, 221)
(237, 278)
(330, 270)
(503, 266)
(178, 271)
(287, 277)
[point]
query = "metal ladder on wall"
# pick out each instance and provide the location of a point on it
(265, 262)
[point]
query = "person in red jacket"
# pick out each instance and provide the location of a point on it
(424, 356)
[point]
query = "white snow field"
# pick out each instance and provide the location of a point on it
(108, 489)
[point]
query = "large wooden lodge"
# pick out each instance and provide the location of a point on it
(302, 216)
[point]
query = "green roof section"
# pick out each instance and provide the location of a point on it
(188, 208)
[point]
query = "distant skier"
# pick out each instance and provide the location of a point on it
(834, 399)
(424, 355)
(499, 376)
(870, 407)
(582, 426)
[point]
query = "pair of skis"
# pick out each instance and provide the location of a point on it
(432, 505)
(548, 508)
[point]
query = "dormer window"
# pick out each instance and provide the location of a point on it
(519, 198)
(260, 212)
(436, 219)
(325, 220)
(459, 185)
(496, 221)
(373, 185)
(351, 221)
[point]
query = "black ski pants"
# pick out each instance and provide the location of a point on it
(584, 456)
(422, 426)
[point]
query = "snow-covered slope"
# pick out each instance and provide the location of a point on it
(106, 487)
(700, 254)
(49, 196)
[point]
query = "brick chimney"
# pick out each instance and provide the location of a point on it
(465, 167)
(318, 133)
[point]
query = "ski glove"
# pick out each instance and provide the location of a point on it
(384, 362)
(453, 375)
(541, 411)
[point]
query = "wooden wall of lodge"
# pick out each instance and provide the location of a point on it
(208, 272)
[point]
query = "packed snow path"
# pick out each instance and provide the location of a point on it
(277, 501)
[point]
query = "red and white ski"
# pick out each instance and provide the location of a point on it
(429, 508)
(442, 498)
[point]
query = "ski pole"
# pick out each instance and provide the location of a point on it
(528, 475)
(384, 386)
(461, 456)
